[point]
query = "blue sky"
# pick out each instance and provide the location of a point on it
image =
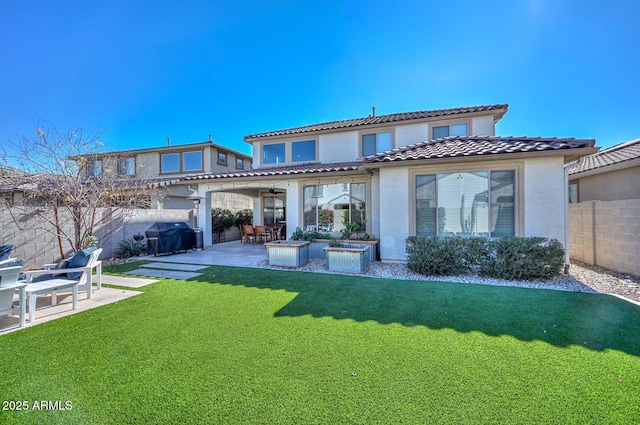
(144, 70)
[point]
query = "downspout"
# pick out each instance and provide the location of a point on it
(567, 255)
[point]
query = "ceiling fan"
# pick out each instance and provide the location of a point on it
(274, 192)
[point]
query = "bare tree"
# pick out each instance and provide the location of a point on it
(67, 180)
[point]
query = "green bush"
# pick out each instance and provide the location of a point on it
(514, 258)
(440, 256)
(243, 217)
(221, 220)
(131, 248)
(297, 234)
(523, 258)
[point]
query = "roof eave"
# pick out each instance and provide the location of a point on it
(606, 169)
(575, 152)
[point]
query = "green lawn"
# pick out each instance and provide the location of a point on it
(242, 346)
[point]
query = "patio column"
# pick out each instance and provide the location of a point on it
(204, 219)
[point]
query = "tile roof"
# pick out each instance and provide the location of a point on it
(306, 168)
(617, 154)
(465, 146)
(382, 119)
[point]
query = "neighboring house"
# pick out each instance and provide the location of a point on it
(604, 210)
(613, 174)
(166, 163)
(436, 172)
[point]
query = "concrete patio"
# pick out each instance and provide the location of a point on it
(46, 312)
(231, 253)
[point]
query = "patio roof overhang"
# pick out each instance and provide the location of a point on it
(274, 173)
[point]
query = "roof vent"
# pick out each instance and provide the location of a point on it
(168, 141)
(210, 139)
(373, 111)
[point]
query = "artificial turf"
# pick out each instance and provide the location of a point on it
(239, 345)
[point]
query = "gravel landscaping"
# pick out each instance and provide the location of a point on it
(581, 278)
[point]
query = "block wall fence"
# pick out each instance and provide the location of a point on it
(35, 245)
(606, 234)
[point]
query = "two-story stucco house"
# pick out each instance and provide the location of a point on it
(435, 172)
(161, 164)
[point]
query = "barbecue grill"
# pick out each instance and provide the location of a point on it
(167, 238)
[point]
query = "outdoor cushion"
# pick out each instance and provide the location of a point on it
(79, 260)
(5, 251)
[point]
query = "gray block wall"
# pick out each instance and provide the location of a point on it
(607, 234)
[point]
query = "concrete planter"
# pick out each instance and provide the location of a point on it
(316, 249)
(348, 258)
(288, 253)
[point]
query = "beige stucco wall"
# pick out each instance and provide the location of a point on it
(544, 198)
(483, 126)
(606, 233)
(394, 212)
(338, 147)
(540, 190)
(610, 186)
(345, 145)
(411, 133)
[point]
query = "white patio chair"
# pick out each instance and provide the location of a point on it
(8, 287)
(74, 279)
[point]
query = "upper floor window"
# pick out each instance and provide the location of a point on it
(304, 150)
(222, 158)
(94, 168)
(177, 162)
(170, 163)
(127, 166)
(273, 153)
(376, 142)
(450, 130)
(192, 161)
(239, 163)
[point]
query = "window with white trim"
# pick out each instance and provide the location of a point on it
(478, 203)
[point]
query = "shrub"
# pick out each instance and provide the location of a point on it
(309, 236)
(523, 258)
(221, 220)
(131, 248)
(514, 258)
(297, 234)
(243, 217)
(436, 255)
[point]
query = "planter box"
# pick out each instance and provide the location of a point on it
(288, 253)
(316, 249)
(348, 258)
